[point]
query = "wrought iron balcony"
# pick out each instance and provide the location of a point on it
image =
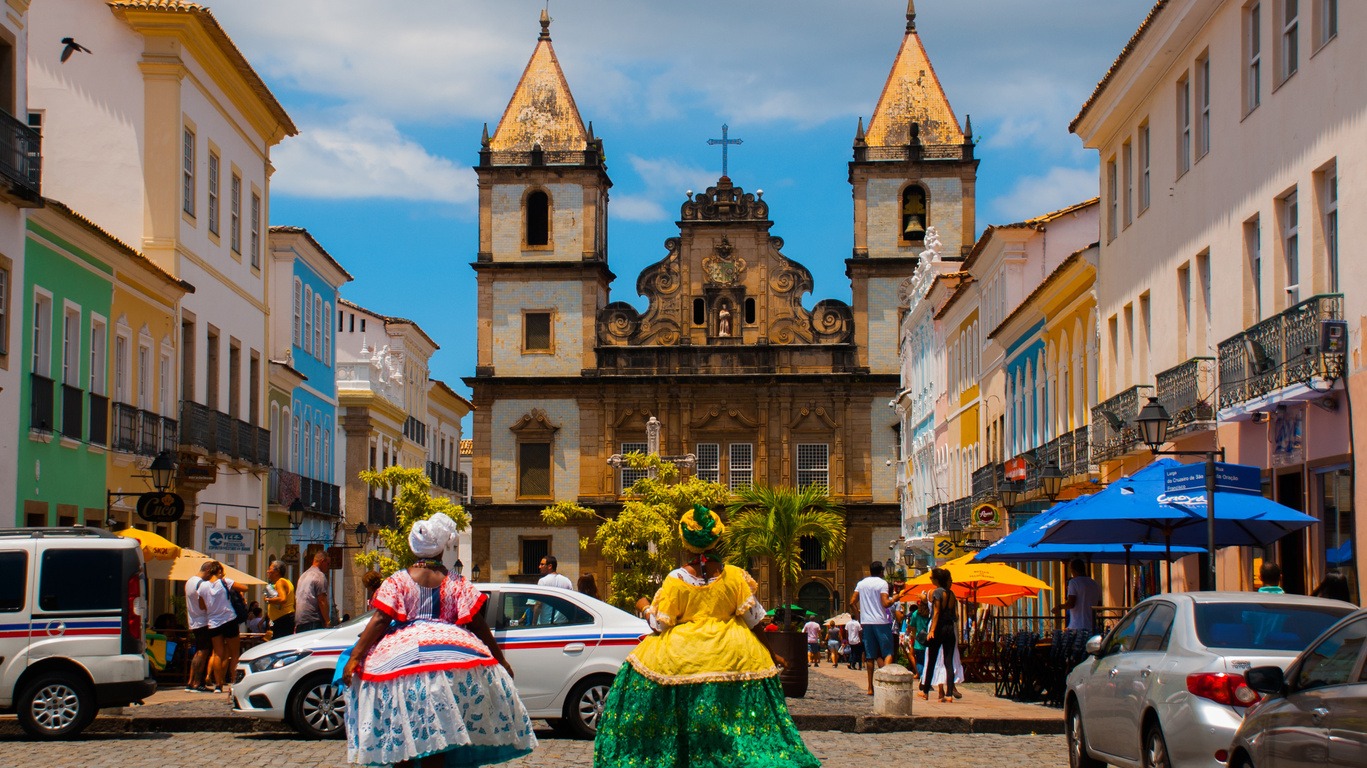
(380, 512)
(73, 412)
(415, 430)
(21, 163)
(142, 432)
(320, 497)
(42, 392)
(987, 480)
(282, 487)
(1075, 453)
(444, 477)
(1187, 391)
(220, 433)
(1114, 431)
(99, 419)
(1278, 352)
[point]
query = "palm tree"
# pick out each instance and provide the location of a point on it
(771, 522)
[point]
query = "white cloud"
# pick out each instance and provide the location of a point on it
(1032, 195)
(632, 208)
(665, 181)
(366, 157)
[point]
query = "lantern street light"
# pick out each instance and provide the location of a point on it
(1153, 423)
(1051, 480)
(163, 470)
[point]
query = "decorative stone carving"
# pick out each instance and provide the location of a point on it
(724, 202)
(721, 268)
(534, 422)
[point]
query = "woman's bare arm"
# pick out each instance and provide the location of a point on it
(379, 624)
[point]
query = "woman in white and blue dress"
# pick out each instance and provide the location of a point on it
(427, 685)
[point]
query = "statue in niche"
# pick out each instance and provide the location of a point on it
(723, 321)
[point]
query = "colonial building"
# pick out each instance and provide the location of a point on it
(1221, 288)
(738, 372)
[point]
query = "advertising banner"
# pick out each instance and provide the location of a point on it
(227, 541)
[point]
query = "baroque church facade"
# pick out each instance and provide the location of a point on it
(725, 357)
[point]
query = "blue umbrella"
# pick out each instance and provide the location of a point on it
(1138, 510)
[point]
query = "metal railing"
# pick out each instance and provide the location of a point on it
(216, 432)
(1278, 352)
(21, 160)
(444, 477)
(142, 432)
(1079, 460)
(987, 481)
(42, 392)
(73, 412)
(320, 497)
(415, 430)
(380, 512)
(540, 157)
(99, 419)
(1114, 431)
(910, 152)
(1187, 391)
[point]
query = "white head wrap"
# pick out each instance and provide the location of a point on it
(428, 538)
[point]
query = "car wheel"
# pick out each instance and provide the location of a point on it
(584, 706)
(1156, 749)
(58, 705)
(1077, 741)
(317, 708)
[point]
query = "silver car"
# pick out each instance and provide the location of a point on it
(1166, 686)
(1316, 713)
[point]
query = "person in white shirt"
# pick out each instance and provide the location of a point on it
(871, 598)
(1084, 595)
(550, 578)
(855, 632)
(199, 628)
(813, 632)
(224, 629)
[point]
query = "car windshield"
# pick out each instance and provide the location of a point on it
(1265, 626)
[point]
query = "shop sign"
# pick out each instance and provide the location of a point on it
(987, 516)
(1235, 478)
(227, 541)
(947, 549)
(160, 507)
(1015, 469)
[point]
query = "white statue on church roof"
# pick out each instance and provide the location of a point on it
(933, 245)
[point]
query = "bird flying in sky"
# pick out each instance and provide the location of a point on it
(71, 47)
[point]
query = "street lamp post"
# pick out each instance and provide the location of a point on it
(1153, 423)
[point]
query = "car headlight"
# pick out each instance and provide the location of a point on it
(277, 660)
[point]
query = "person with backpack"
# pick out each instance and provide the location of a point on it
(222, 601)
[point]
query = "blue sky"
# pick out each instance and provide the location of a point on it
(390, 99)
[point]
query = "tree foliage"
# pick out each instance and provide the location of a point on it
(771, 522)
(642, 541)
(411, 504)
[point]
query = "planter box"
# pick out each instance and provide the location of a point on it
(792, 646)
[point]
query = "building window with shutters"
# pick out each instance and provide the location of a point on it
(213, 193)
(187, 171)
(533, 470)
(708, 465)
(235, 214)
(627, 476)
(813, 465)
(536, 332)
(298, 312)
(740, 465)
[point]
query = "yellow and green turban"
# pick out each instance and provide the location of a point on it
(701, 529)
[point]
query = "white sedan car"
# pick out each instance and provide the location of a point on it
(564, 648)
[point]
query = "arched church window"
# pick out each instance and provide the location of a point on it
(913, 214)
(699, 312)
(749, 311)
(538, 218)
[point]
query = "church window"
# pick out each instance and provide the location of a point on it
(749, 311)
(699, 312)
(536, 332)
(741, 465)
(534, 470)
(813, 465)
(538, 219)
(629, 475)
(708, 464)
(913, 214)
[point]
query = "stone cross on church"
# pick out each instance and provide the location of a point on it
(725, 144)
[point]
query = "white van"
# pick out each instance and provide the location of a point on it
(72, 606)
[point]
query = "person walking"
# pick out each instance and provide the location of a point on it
(813, 632)
(550, 577)
(854, 633)
(1083, 596)
(918, 628)
(588, 585)
(703, 691)
(942, 668)
(311, 596)
(872, 599)
(427, 684)
(279, 600)
(1270, 574)
(224, 625)
(833, 642)
(199, 629)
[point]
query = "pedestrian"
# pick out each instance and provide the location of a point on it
(279, 600)
(1083, 596)
(704, 689)
(854, 631)
(1270, 574)
(550, 577)
(918, 629)
(833, 642)
(199, 629)
(873, 601)
(588, 585)
(311, 596)
(224, 624)
(942, 648)
(426, 680)
(256, 620)
(813, 632)
(1334, 587)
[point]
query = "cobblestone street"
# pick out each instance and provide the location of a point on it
(195, 750)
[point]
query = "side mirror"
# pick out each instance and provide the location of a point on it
(1269, 680)
(1094, 646)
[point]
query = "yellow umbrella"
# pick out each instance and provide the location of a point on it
(188, 564)
(154, 547)
(981, 583)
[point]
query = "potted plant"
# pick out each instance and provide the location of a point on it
(768, 522)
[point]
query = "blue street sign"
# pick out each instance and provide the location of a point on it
(1232, 478)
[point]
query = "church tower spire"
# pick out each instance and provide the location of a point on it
(542, 110)
(912, 94)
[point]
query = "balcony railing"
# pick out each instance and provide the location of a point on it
(444, 477)
(99, 419)
(1187, 391)
(1278, 352)
(911, 152)
(42, 390)
(320, 497)
(415, 430)
(987, 480)
(142, 432)
(1078, 461)
(380, 512)
(1114, 431)
(203, 427)
(21, 163)
(73, 412)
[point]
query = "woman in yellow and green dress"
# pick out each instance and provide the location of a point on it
(702, 692)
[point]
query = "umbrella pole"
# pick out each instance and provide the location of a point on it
(1127, 575)
(1167, 542)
